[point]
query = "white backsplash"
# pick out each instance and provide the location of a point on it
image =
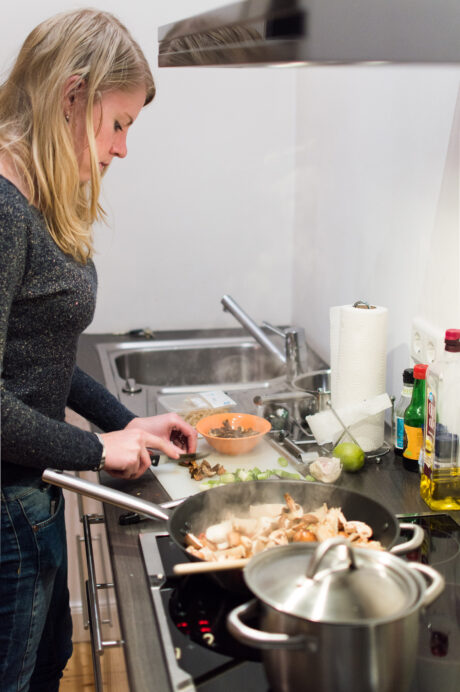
(377, 199)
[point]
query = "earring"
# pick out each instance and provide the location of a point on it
(67, 117)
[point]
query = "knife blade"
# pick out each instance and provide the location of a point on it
(192, 456)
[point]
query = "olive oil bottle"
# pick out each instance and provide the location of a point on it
(440, 478)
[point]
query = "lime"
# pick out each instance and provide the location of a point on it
(351, 456)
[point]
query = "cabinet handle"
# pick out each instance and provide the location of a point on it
(94, 616)
(81, 575)
(97, 648)
(91, 588)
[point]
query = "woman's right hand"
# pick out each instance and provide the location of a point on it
(126, 454)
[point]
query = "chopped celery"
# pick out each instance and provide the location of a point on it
(227, 478)
(243, 475)
(288, 474)
(309, 478)
(264, 476)
(209, 484)
(282, 461)
(255, 474)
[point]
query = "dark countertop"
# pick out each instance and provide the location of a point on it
(386, 482)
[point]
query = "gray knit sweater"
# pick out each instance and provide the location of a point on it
(46, 300)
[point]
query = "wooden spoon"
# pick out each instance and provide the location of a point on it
(184, 568)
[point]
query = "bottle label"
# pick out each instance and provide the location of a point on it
(399, 444)
(430, 430)
(414, 442)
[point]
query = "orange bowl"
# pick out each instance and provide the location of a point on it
(233, 445)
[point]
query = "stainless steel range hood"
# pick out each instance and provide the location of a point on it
(282, 32)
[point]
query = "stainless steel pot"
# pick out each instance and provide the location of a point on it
(335, 618)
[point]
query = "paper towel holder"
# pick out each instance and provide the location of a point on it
(363, 305)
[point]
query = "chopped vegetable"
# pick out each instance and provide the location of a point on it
(288, 474)
(255, 474)
(244, 475)
(228, 478)
(282, 461)
(227, 431)
(265, 475)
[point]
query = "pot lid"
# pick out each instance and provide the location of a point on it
(333, 582)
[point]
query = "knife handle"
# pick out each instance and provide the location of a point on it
(154, 458)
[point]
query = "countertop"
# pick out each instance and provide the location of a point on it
(386, 482)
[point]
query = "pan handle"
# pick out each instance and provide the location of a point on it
(264, 640)
(105, 494)
(416, 541)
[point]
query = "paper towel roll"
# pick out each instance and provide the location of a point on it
(358, 339)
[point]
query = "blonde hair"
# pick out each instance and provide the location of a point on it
(98, 49)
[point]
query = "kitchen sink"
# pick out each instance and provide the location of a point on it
(151, 368)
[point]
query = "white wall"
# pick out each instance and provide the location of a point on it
(293, 190)
(377, 201)
(203, 205)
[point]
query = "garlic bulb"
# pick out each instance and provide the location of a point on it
(325, 469)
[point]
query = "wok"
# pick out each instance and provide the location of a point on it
(197, 512)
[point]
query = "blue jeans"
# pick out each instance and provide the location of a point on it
(35, 622)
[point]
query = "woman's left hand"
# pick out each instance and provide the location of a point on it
(171, 427)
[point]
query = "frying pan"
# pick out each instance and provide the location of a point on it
(197, 512)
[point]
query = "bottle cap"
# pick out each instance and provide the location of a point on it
(420, 371)
(446, 445)
(452, 335)
(408, 376)
(452, 340)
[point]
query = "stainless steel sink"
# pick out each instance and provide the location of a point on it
(137, 372)
(143, 370)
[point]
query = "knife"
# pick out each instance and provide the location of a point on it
(193, 456)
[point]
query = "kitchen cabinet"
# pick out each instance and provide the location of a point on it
(92, 595)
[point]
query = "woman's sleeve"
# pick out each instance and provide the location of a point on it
(29, 438)
(94, 402)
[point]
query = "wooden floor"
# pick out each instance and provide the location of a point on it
(78, 675)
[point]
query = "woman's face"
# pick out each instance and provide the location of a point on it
(114, 113)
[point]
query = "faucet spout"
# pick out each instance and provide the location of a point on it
(249, 324)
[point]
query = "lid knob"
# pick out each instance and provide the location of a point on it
(324, 548)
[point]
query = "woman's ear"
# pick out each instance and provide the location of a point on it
(73, 89)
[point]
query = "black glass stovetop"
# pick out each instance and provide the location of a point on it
(201, 654)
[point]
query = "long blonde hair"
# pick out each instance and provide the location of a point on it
(98, 49)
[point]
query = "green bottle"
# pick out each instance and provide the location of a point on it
(414, 421)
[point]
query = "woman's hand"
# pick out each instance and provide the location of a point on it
(170, 427)
(127, 453)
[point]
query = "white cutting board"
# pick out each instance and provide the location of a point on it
(176, 479)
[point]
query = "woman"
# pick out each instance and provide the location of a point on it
(78, 84)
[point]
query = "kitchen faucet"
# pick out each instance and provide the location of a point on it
(290, 357)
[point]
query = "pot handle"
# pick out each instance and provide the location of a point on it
(416, 541)
(436, 587)
(263, 640)
(105, 494)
